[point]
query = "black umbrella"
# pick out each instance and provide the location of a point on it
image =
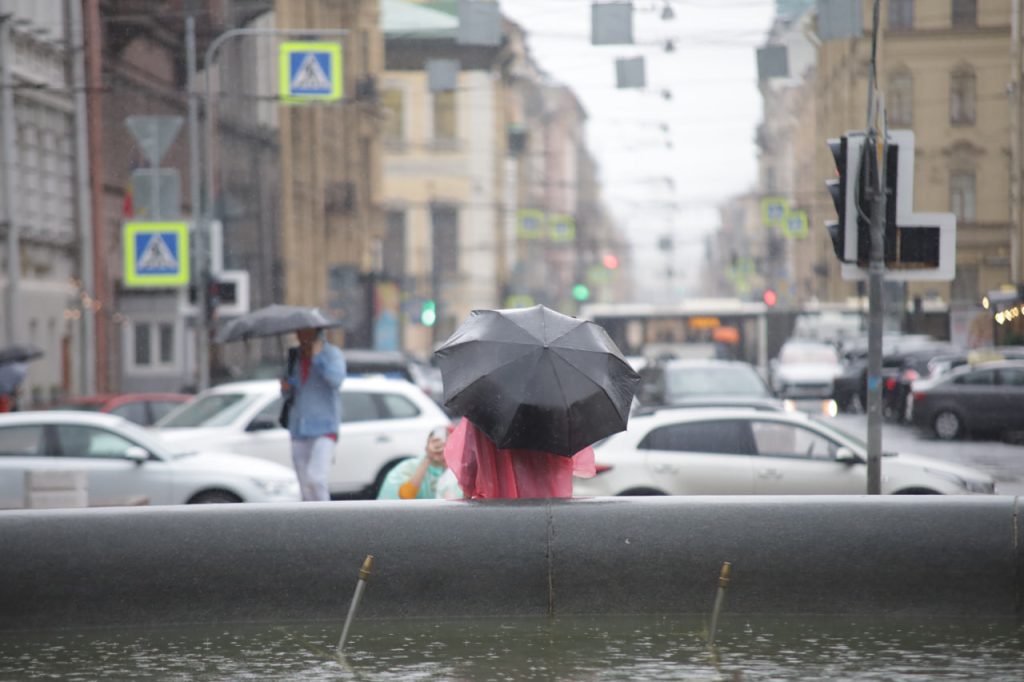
(20, 352)
(273, 320)
(535, 379)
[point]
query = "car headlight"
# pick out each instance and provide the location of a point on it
(277, 487)
(970, 485)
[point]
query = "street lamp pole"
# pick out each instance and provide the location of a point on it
(203, 228)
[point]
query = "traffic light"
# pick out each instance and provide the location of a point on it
(581, 292)
(837, 190)
(610, 261)
(428, 313)
(769, 297)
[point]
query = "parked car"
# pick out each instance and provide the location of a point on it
(383, 422)
(140, 408)
(899, 372)
(123, 461)
(675, 382)
(805, 369)
(983, 398)
(744, 451)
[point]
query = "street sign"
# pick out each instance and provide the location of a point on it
(774, 211)
(154, 134)
(155, 254)
(920, 247)
(531, 223)
(156, 193)
(562, 228)
(796, 225)
(310, 71)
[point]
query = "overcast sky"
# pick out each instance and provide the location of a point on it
(711, 116)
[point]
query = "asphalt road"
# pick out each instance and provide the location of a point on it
(1003, 461)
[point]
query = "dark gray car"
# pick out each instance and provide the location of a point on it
(983, 398)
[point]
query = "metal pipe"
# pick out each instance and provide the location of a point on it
(87, 349)
(194, 171)
(364, 575)
(8, 142)
(723, 582)
(876, 275)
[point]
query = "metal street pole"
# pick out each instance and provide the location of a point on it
(10, 212)
(85, 224)
(203, 229)
(195, 201)
(876, 274)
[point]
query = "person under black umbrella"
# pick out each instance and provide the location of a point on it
(315, 372)
(536, 389)
(12, 374)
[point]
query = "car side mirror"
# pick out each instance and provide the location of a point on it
(137, 454)
(847, 456)
(262, 424)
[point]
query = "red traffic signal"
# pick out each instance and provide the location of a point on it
(611, 261)
(769, 297)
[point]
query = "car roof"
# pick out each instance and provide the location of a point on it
(671, 414)
(65, 416)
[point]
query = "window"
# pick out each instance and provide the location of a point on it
(444, 115)
(218, 409)
(398, 407)
(142, 345)
(161, 408)
(358, 407)
(962, 194)
(133, 412)
(166, 343)
(21, 441)
(727, 437)
(393, 102)
(981, 378)
(394, 252)
(965, 13)
(1011, 377)
(901, 99)
(961, 97)
(775, 439)
(901, 14)
(153, 344)
(86, 441)
(445, 220)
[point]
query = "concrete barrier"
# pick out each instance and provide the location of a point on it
(435, 559)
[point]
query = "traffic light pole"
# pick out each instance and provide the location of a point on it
(876, 275)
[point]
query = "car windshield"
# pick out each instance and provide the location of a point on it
(686, 382)
(825, 424)
(805, 354)
(215, 409)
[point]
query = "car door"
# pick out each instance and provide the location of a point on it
(21, 449)
(274, 443)
(363, 434)
(1008, 409)
(975, 396)
(710, 457)
(113, 478)
(795, 460)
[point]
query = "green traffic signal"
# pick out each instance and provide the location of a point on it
(581, 292)
(428, 313)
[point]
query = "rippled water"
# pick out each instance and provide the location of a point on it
(594, 648)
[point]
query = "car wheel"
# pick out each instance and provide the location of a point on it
(640, 492)
(947, 425)
(214, 497)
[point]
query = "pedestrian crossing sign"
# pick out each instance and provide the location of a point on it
(155, 254)
(310, 71)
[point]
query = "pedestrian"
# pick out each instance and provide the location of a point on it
(417, 477)
(485, 471)
(12, 374)
(311, 386)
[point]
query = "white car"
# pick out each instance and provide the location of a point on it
(805, 369)
(745, 451)
(123, 461)
(383, 422)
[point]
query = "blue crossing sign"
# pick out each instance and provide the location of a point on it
(155, 254)
(310, 71)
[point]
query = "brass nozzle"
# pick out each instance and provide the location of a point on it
(723, 577)
(364, 572)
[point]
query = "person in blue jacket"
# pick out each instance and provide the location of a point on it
(312, 384)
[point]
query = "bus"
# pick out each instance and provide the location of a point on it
(736, 329)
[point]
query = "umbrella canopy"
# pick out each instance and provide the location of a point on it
(535, 379)
(20, 352)
(273, 320)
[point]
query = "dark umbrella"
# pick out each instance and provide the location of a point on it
(273, 320)
(535, 379)
(20, 352)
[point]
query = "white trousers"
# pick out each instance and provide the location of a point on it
(312, 458)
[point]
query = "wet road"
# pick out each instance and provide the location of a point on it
(1004, 461)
